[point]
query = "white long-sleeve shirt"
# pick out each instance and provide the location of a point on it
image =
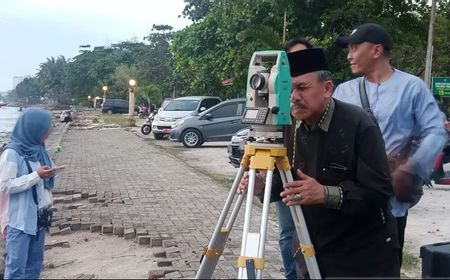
(17, 207)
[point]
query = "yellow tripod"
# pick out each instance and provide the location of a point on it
(251, 260)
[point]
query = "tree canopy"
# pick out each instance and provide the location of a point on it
(211, 56)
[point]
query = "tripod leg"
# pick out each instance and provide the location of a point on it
(302, 233)
(253, 243)
(264, 218)
(250, 268)
(217, 243)
(245, 231)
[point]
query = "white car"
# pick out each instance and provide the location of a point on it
(177, 109)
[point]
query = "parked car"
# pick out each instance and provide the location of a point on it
(218, 123)
(164, 104)
(112, 106)
(236, 147)
(177, 109)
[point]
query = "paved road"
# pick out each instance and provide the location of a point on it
(141, 186)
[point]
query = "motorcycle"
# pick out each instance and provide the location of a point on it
(146, 128)
(439, 175)
(143, 111)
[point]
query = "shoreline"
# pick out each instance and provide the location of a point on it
(4, 137)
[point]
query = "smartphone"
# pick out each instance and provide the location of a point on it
(59, 168)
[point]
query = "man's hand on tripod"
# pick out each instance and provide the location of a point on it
(305, 191)
(260, 181)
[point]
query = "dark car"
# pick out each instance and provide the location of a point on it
(218, 123)
(236, 147)
(112, 106)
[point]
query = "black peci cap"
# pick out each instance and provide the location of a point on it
(367, 32)
(306, 61)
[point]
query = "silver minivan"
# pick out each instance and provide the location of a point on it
(179, 108)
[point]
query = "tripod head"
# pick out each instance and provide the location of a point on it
(268, 95)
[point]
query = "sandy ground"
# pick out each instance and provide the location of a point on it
(93, 255)
(429, 221)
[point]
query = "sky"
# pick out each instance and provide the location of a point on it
(33, 30)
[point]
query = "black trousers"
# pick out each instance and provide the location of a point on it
(401, 226)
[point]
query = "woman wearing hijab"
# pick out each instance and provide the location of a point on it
(26, 176)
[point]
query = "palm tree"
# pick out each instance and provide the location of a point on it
(265, 34)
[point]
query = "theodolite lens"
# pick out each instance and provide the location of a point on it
(257, 81)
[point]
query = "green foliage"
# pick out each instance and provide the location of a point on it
(52, 76)
(119, 119)
(208, 52)
(265, 34)
(441, 59)
(28, 88)
(120, 79)
(196, 10)
(217, 47)
(410, 262)
(154, 64)
(113, 66)
(151, 93)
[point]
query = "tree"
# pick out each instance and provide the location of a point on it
(441, 43)
(92, 69)
(208, 52)
(154, 65)
(151, 93)
(122, 75)
(28, 89)
(196, 10)
(211, 56)
(265, 34)
(52, 78)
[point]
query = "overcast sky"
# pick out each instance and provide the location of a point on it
(32, 30)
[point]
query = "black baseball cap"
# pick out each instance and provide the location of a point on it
(306, 61)
(367, 32)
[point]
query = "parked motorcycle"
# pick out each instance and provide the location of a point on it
(146, 128)
(143, 111)
(439, 175)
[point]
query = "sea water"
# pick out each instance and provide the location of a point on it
(8, 118)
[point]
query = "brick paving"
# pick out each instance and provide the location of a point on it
(118, 183)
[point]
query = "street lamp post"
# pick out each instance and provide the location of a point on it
(104, 88)
(429, 57)
(95, 101)
(131, 91)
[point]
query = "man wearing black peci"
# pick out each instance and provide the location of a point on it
(341, 177)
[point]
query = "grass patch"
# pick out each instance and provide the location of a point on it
(410, 262)
(220, 179)
(119, 119)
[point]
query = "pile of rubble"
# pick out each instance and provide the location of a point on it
(86, 120)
